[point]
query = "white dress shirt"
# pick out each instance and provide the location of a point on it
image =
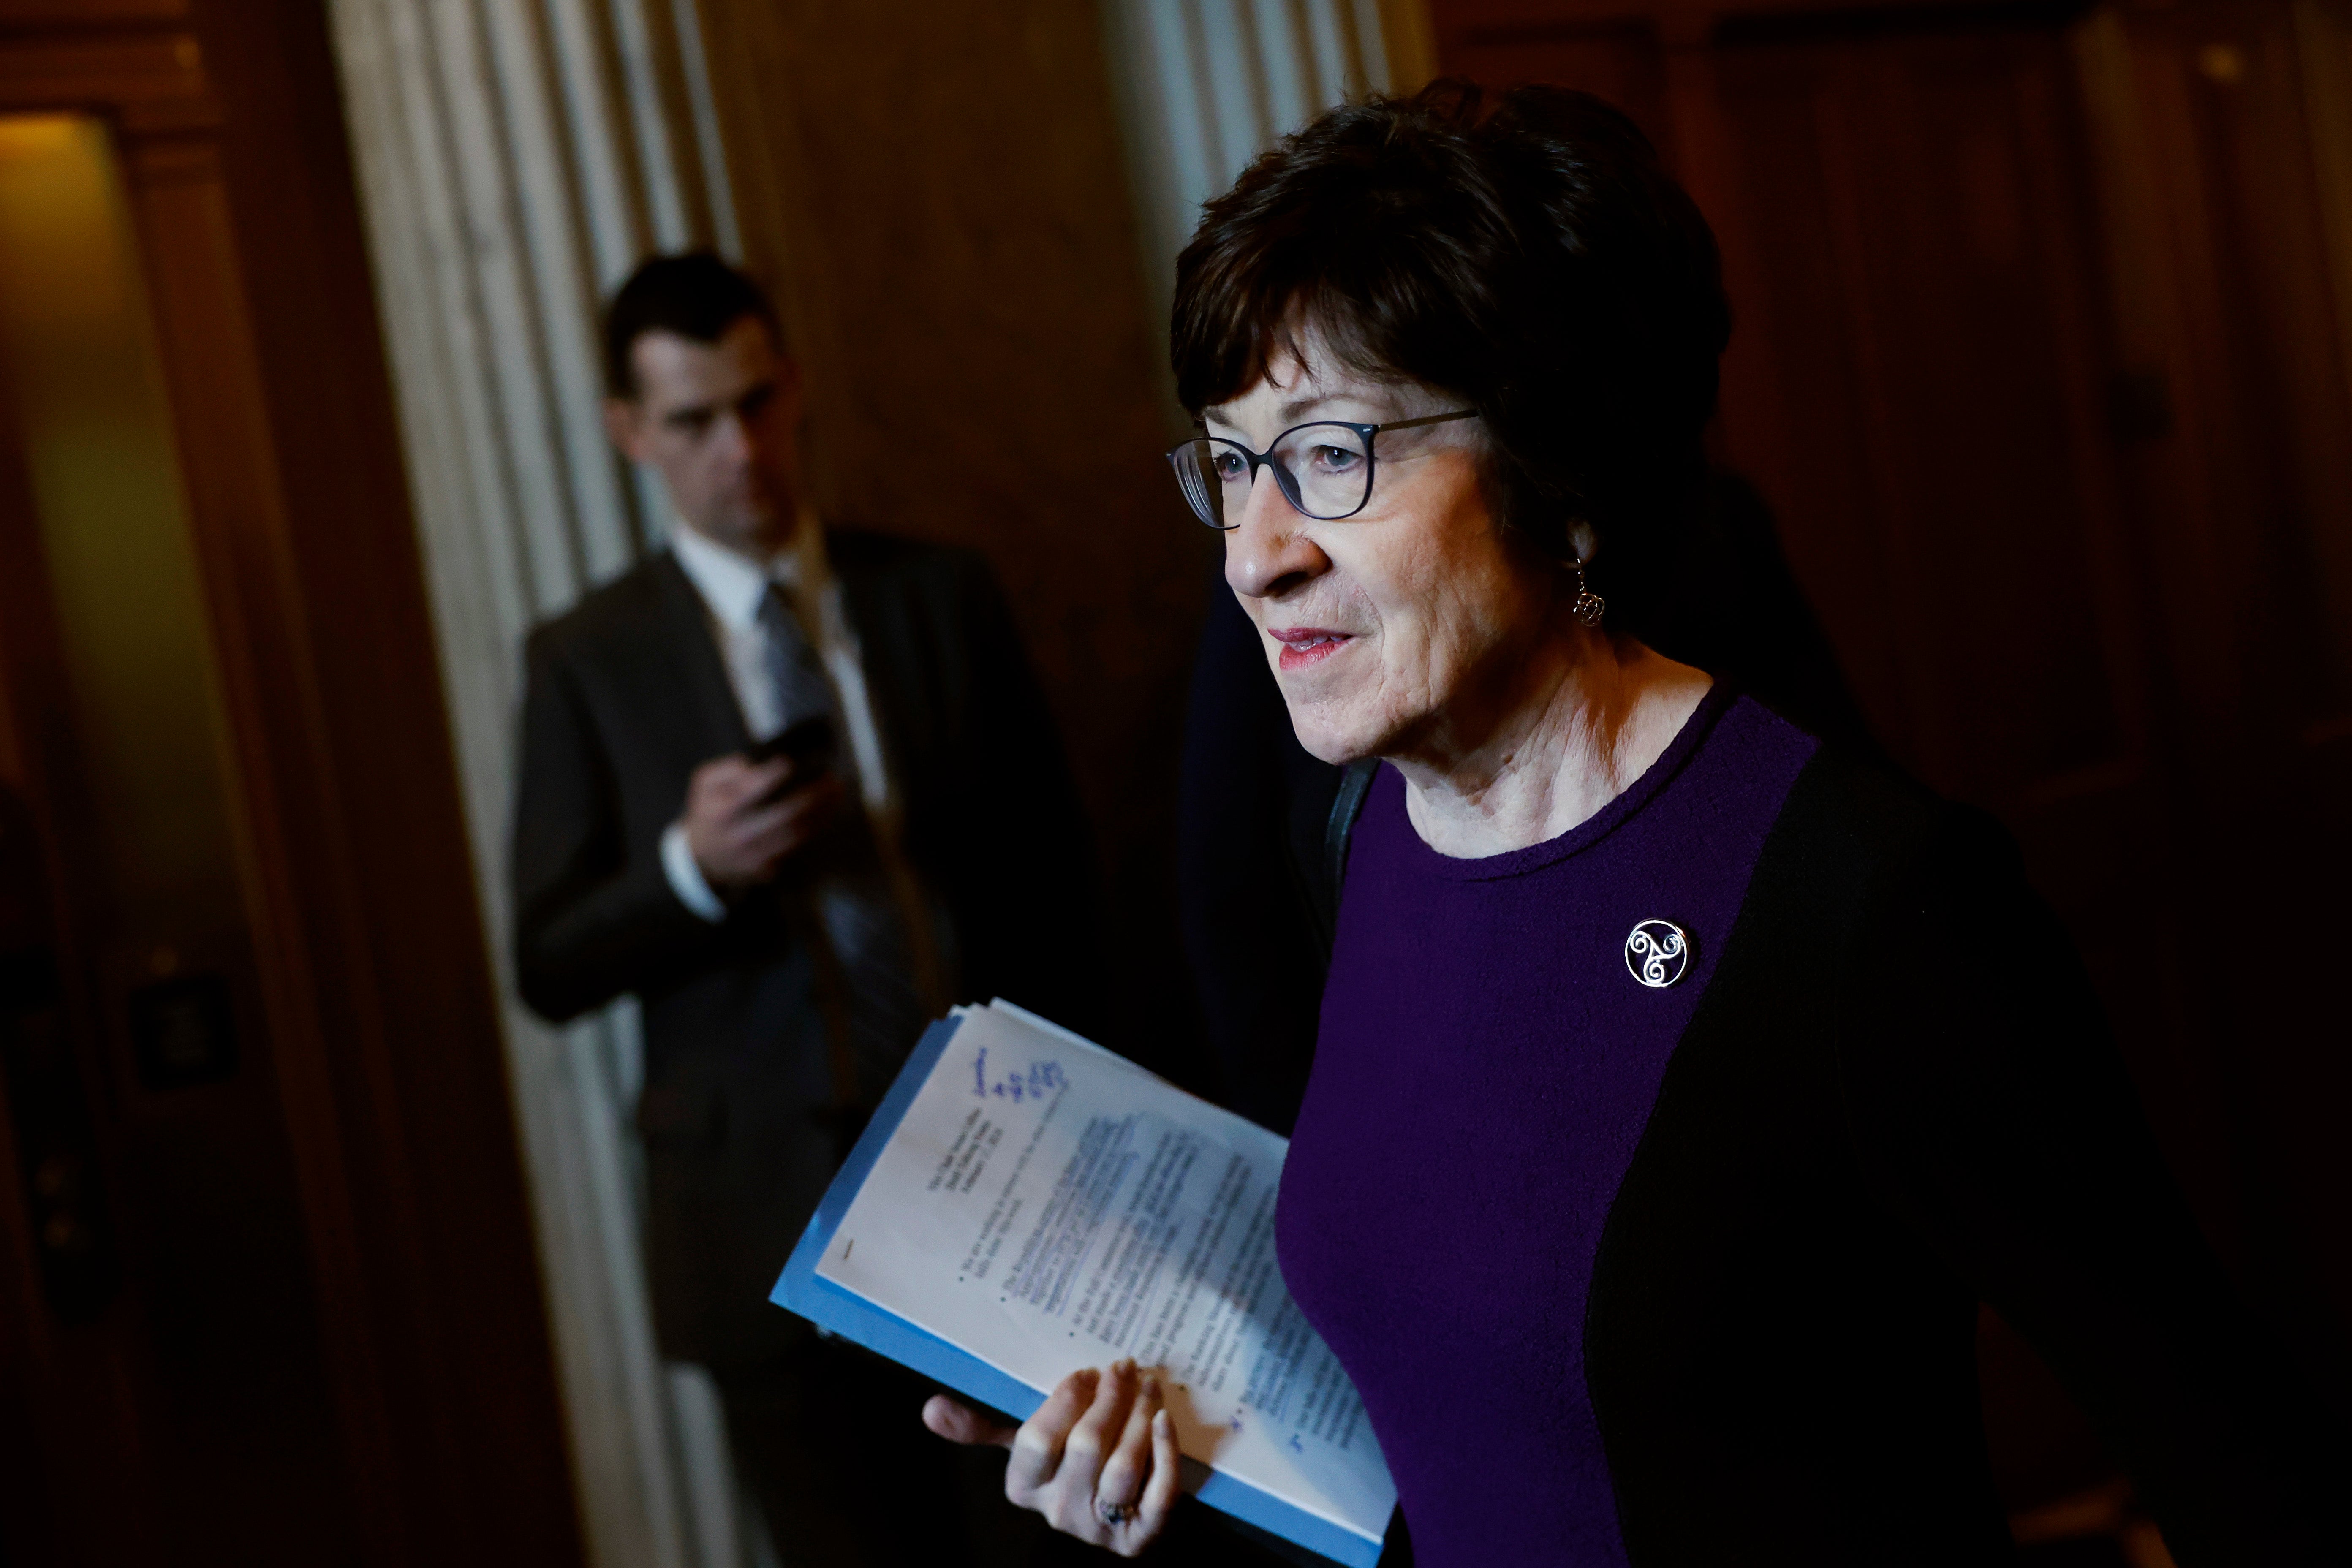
(732, 587)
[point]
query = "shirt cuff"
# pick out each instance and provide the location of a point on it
(686, 879)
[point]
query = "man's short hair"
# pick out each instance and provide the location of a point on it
(694, 294)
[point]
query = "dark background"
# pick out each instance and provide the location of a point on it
(2041, 361)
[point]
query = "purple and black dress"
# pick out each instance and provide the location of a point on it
(1648, 1180)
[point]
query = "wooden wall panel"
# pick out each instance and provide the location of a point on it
(1617, 58)
(947, 216)
(2224, 103)
(2041, 357)
(1917, 386)
(1799, 375)
(2223, 157)
(1967, 368)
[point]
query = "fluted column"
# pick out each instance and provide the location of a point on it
(516, 158)
(1206, 84)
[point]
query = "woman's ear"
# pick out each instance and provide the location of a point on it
(1582, 541)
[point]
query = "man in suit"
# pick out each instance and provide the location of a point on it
(796, 789)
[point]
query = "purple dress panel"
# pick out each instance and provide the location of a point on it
(1485, 1066)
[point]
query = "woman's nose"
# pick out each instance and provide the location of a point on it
(1269, 551)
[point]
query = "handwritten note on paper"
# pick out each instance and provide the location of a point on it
(1046, 1206)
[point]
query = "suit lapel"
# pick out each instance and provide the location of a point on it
(701, 684)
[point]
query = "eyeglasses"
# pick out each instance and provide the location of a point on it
(1324, 470)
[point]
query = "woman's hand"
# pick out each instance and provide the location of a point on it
(1098, 1459)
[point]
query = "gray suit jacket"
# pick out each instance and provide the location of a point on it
(626, 696)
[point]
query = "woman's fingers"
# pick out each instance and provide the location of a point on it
(1099, 1459)
(1119, 1488)
(960, 1423)
(1090, 1443)
(1134, 1519)
(1037, 1446)
(1159, 1493)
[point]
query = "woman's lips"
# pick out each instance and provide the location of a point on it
(1304, 646)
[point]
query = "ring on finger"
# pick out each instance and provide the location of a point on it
(1114, 1512)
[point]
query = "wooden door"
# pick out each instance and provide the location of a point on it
(266, 1285)
(172, 1345)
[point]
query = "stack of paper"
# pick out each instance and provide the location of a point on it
(1025, 1204)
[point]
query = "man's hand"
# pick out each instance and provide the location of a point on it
(741, 830)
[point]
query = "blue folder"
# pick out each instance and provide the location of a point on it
(853, 1317)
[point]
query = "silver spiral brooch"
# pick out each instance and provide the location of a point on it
(1657, 954)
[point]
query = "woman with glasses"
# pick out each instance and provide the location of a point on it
(1682, 1084)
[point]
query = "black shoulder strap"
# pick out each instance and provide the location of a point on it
(1355, 784)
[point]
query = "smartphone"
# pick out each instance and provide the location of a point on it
(810, 745)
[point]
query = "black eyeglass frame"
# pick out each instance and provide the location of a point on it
(1287, 482)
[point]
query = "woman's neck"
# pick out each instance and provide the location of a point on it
(1591, 717)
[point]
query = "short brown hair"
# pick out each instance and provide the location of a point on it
(1524, 252)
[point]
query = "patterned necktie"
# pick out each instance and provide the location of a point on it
(795, 673)
(874, 1004)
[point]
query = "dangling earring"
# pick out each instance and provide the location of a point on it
(1588, 605)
